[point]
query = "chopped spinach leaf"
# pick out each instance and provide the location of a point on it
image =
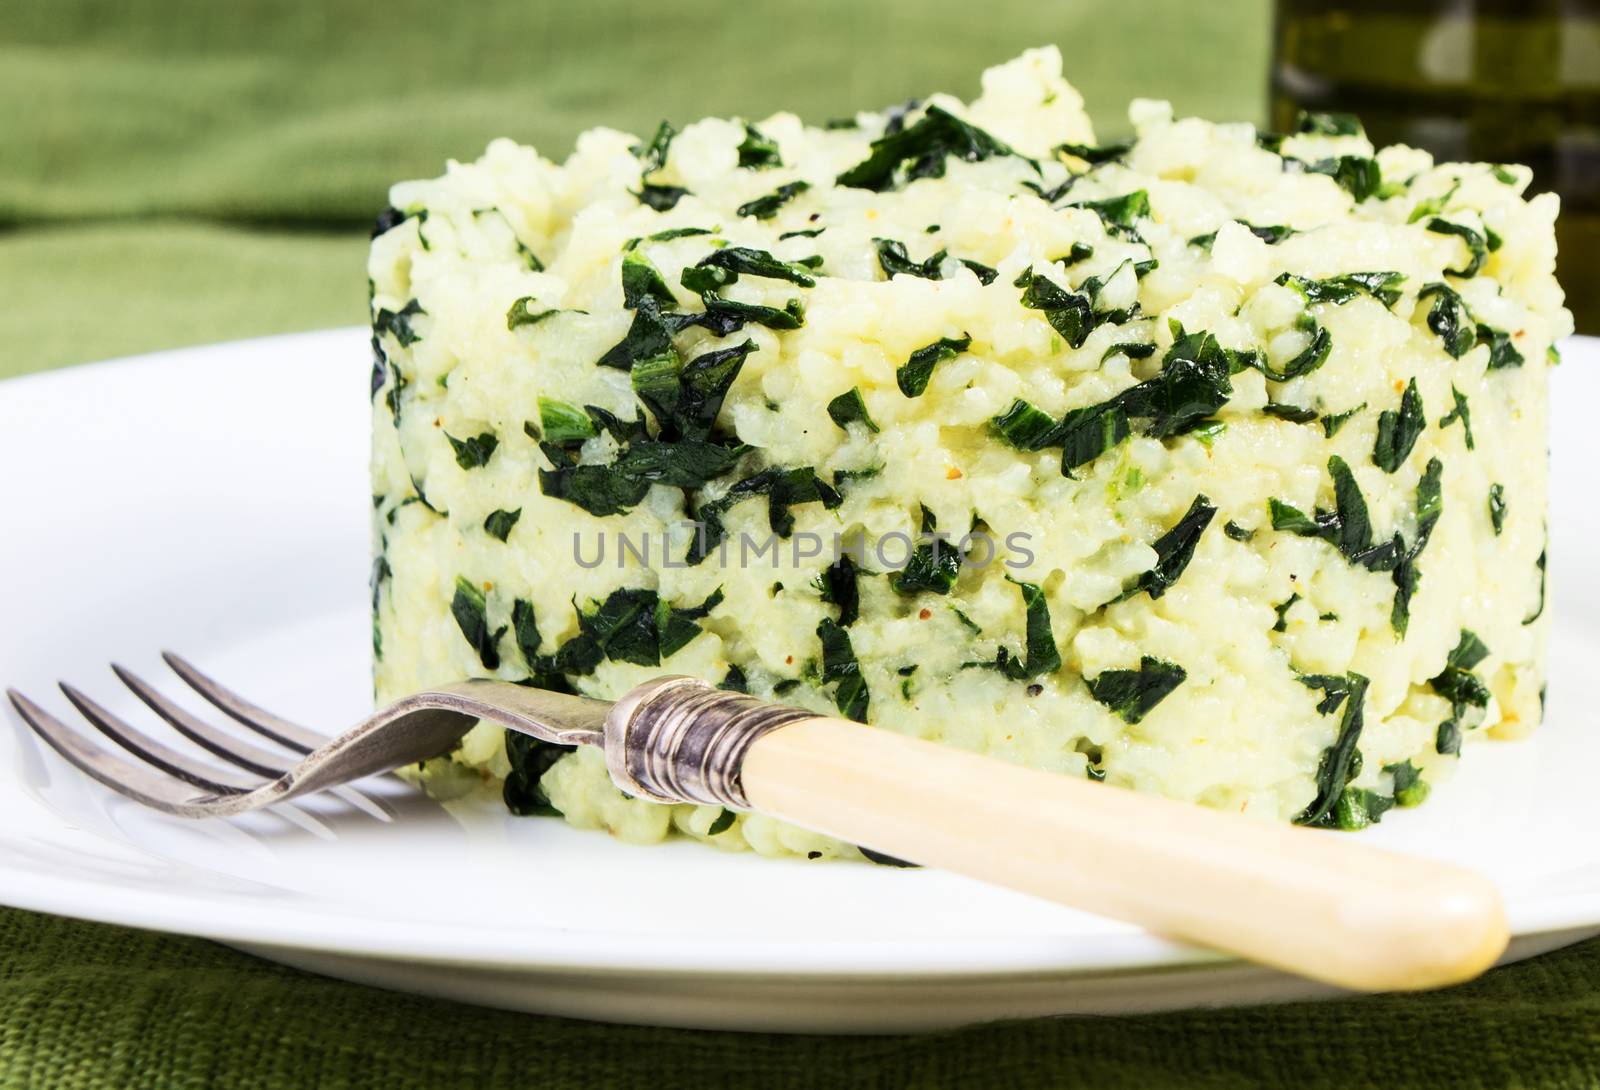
(662, 198)
(1119, 214)
(677, 626)
(1430, 504)
(525, 631)
(1025, 427)
(723, 267)
(1087, 433)
(1131, 694)
(984, 273)
(1292, 413)
(641, 279)
(632, 625)
(1464, 689)
(1174, 549)
(1382, 286)
(1079, 251)
(522, 313)
(1237, 532)
(685, 400)
(1271, 234)
(397, 323)
(1106, 153)
(653, 155)
(474, 451)
(894, 261)
(1359, 807)
(724, 820)
(1497, 507)
(1542, 564)
(919, 151)
(724, 317)
(1332, 422)
(783, 488)
(758, 151)
(1313, 356)
(390, 218)
(764, 208)
(1134, 350)
(499, 523)
(1193, 383)
(1358, 175)
(913, 375)
(849, 408)
(1348, 528)
(621, 628)
(1477, 248)
(1432, 206)
(1462, 412)
(1340, 762)
(1040, 654)
(470, 610)
(1410, 789)
(530, 759)
(598, 489)
(563, 422)
(865, 473)
(380, 371)
(1502, 353)
(1448, 318)
(1069, 313)
(934, 563)
(684, 463)
(808, 232)
(648, 339)
(837, 586)
(1282, 610)
(1398, 430)
(839, 665)
(672, 233)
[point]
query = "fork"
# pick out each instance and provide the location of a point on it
(1310, 902)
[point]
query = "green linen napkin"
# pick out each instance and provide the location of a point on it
(180, 171)
(184, 172)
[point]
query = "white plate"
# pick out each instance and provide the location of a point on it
(213, 501)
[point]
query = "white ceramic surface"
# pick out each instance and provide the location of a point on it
(213, 500)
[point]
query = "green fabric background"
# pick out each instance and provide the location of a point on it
(190, 171)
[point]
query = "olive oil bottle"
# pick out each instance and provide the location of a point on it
(1505, 81)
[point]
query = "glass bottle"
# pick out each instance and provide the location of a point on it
(1504, 81)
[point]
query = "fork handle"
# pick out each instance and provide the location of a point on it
(1311, 902)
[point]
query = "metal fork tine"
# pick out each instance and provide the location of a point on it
(246, 755)
(200, 774)
(137, 782)
(260, 720)
(237, 751)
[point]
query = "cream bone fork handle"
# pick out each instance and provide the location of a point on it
(1307, 901)
(1310, 902)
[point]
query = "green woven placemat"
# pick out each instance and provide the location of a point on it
(85, 1005)
(184, 172)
